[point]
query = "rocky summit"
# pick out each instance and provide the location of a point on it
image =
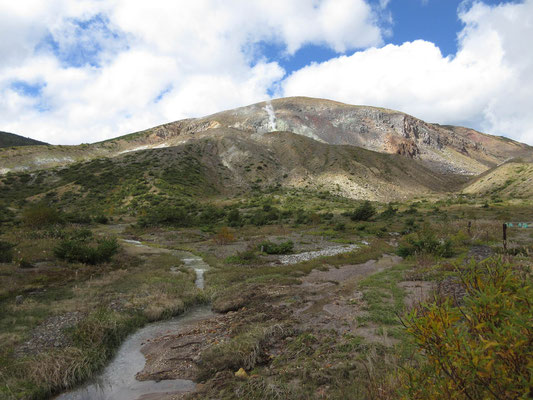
(354, 151)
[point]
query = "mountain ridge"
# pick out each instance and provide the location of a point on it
(12, 140)
(443, 147)
(303, 143)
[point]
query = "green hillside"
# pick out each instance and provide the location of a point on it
(12, 140)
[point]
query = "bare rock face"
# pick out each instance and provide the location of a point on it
(444, 148)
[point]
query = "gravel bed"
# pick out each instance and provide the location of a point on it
(50, 334)
(309, 255)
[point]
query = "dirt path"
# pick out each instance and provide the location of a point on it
(331, 299)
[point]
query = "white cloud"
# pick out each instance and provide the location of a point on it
(486, 85)
(149, 63)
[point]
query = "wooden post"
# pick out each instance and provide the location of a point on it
(505, 237)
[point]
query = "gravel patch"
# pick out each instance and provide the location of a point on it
(51, 333)
(309, 255)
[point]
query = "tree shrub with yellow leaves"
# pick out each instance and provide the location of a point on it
(480, 347)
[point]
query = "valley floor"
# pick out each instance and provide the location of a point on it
(328, 324)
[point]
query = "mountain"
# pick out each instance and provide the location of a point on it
(11, 140)
(354, 151)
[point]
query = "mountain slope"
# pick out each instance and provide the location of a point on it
(513, 179)
(442, 148)
(355, 151)
(225, 165)
(10, 140)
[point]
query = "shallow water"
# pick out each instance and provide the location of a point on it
(199, 266)
(117, 381)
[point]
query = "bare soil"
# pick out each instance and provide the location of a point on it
(325, 300)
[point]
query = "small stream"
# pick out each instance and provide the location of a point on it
(117, 381)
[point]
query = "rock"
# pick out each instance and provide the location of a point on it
(241, 373)
(19, 299)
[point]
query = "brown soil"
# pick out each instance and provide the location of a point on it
(175, 356)
(330, 299)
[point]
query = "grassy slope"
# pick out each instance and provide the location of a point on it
(12, 140)
(224, 166)
(509, 180)
(113, 299)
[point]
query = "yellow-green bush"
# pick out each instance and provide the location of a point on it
(481, 348)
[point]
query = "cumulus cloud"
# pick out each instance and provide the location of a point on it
(486, 85)
(88, 70)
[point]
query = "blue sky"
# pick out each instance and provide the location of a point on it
(83, 71)
(432, 20)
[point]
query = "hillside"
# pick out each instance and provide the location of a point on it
(355, 151)
(512, 179)
(253, 223)
(228, 165)
(11, 140)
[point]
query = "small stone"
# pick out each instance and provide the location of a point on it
(241, 373)
(19, 299)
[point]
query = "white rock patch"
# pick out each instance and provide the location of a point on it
(309, 255)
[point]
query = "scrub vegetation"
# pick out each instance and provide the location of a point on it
(423, 292)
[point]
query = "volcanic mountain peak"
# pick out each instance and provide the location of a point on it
(444, 149)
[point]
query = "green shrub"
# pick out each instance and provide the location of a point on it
(263, 217)
(425, 241)
(166, 215)
(5, 214)
(80, 249)
(302, 217)
(389, 212)
(211, 215)
(480, 349)
(363, 213)
(273, 248)
(413, 209)
(243, 257)
(340, 227)
(101, 219)
(234, 218)
(78, 218)
(6, 251)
